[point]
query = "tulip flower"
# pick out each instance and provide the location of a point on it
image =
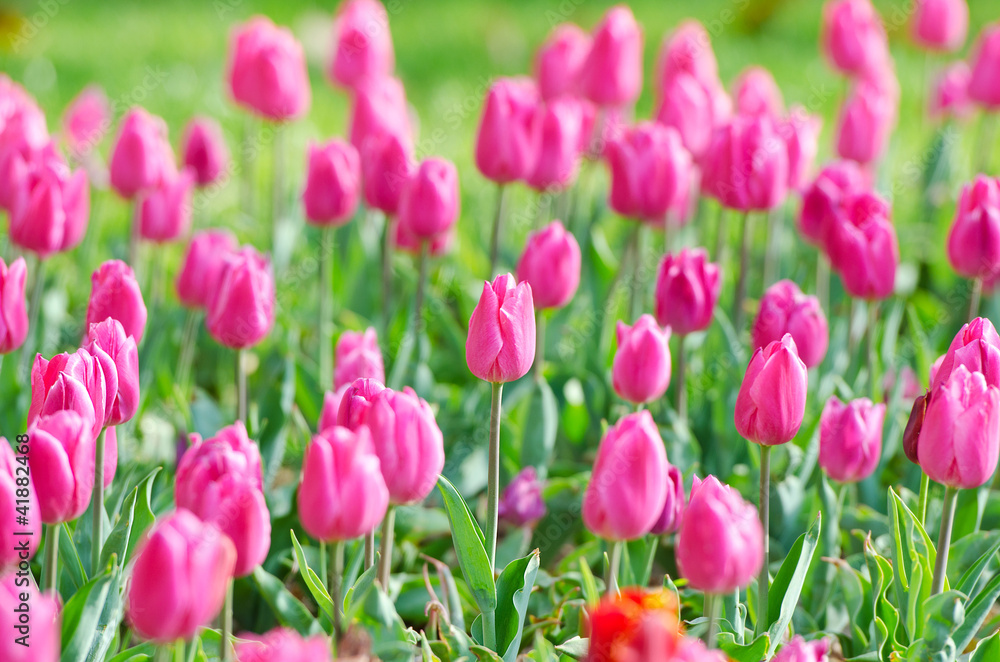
(20, 518)
(822, 200)
(612, 73)
(119, 359)
(241, 312)
(940, 25)
(559, 134)
(984, 86)
(86, 120)
(115, 293)
(560, 60)
(180, 577)
(772, 397)
(39, 641)
(801, 134)
(641, 369)
(201, 270)
(866, 121)
(13, 313)
(747, 165)
(521, 502)
(229, 451)
(362, 44)
(428, 206)
(550, 264)
(785, 309)
(673, 507)
(331, 407)
(863, 248)
(687, 289)
(974, 239)
(651, 174)
(408, 243)
(634, 625)
(799, 650)
(141, 157)
(850, 438)
(379, 108)
(356, 402)
(358, 357)
(949, 95)
(204, 151)
(282, 645)
(386, 164)
(977, 347)
(501, 342)
(333, 183)
(50, 209)
(266, 70)
(688, 106)
(22, 153)
(852, 37)
(756, 93)
(61, 458)
(78, 382)
(688, 50)
(165, 211)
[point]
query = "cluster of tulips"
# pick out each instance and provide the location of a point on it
(375, 448)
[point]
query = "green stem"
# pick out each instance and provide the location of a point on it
(369, 549)
(712, 604)
(179, 655)
(680, 387)
(720, 236)
(823, 281)
(385, 551)
(246, 169)
(763, 581)
(241, 386)
(323, 575)
(977, 291)
(162, 654)
(326, 308)
(418, 305)
(613, 568)
(493, 476)
(187, 349)
(278, 180)
(97, 506)
(336, 582)
(539, 343)
(386, 274)
(490, 630)
(925, 488)
(772, 254)
(51, 570)
(872, 350)
(34, 305)
(497, 220)
(944, 539)
(633, 252)
(741, 282)
(227, 624)
(135, 238)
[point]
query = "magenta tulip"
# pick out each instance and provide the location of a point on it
(38, 641)
(521, 502)
(746, 166)
(506, 145)
(86, 120)
(688, 50)
(428, 207)
(687, 289)
(755, 92)
(119, 359)
(977, 347)
(850, 438)
(61, 451)
(22, 156)
(651, 173)
(379, 108)
(333, 183)
(436, 247)
(50, 209)
(559, 61)
(241, 312)
(772, 397)
(204, 262)
(673, 507)
(799, 650)
(940, 25)
(362, 43)
(386, 166)
(282, 645)
(866, 121)
(550, 264)
(331, 407)
(641, 368)
(408, 443)
(800, 132)
(266, 70)
(204, 150)
(501, 342)
(559, 134)
(141, 157)
(822, 200)
(974, 239)
(358, 357)
(355, 403)
(785, 309)
(949, 95)
(80, 382)
(853, 38)
(863, 248)
(687, 106)
(115, 293)
(984, 86)
(13, 311)
(229, 451)
(20, 517)
(612, 72)
(165, 210)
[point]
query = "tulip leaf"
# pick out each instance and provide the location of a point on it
(886, 614)
(588, 584)
(357, 594)
(81, 616)
(987, 650)
(971, 577)
(976, 612)
(513, 590)
(755, 651)
(287, 609)
(274, 432)
(107, 626)
(787, 585)
(540, 427)
(136, 514)
(483, 653)
(138, 653)
(470, 547)
(70, 557)
(313, 582)
(576, 647)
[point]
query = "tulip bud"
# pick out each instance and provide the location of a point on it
(501, 342)
(506, 143)
(822, 199)
(862, 247)
(850, 438)
(13, 312)
(801, 134)
(358, 357)
(331, 407)
(521, 502)
(340, 462)
(266, 70)
(386, 165)
(866, 121)
(651, 173)
(641, 369)
(50, 209)
(165, 211)
(799, 650)
(772, 397)
(204, 150)
(559, 134)
(229, 451)
(960, 436)
(688, 50)
(241, 312)
(428, 206)
(687, 106)
(333, 183)
(940, 25)
(182, 568)
(18, 499)
(612, 72)
(61, 452)
(408, 443)
(911, 434)
(22, 156)
(141, 157)
(204, 262)
(853, 38)
(355, 402)
(687, 289)
(785, 309)
(673, 508)
(86, 120)
(984, 86)
(628, 486)
(949, 95)
(79, 381)
(119, 359)
(746, 166)
(720, 545)
(362, 43)
(436, 247)
(115, 293)
(282, 645)
(41, 637)
(550, 264)
(977, 347)
(379, 108)
(756, 93)
(559, 61)
(974, 239)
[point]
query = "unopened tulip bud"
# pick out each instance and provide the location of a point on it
(641, 369)
(501, 343)
(850, 439)
(772, 397)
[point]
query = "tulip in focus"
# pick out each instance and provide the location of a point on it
(863, 248)
(204, 262)
(506, 145)
(428, 206)
(641, 369)
(141, 157)
(755, 92)
(673, 507)
(241, 312)
(358, 357)
(13, 310)
(501, 342)
(115, 293)
(333, 183)
(521, 502)
(282, 645)
(559, 61)
(42, 641)
(119, 358)
(687, 289)
(612, 73)
(61, 451)
(850, 438)
(355, 403)
(19, 538)
(977, 347)
(651, 174)
(408, 443)
(940, 25)
(550, 264)
(204, 150)
(785, 309)
(362, 43)
(974, 239)
(852, 36)
(746, 165)
(772, 397)
(266, 70)
(984, 86)
(821, 201)
(165, 211)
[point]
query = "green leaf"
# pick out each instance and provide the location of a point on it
(588, 584)
(576, 647)
(787, 584)
(886, 614)
(540, 427)
(289, 611)
(136, 515)
(755, 651)
(470, 547)
(313, 582)
(971, 577)
(976, 612)
(483, 653)
(107, 624)
(82, 615)
(513, 590)
(358, 594)
(71, 564)
(274, 432)
(988, 649)
(138, 653)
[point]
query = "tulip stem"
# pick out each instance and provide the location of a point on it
(490, 629)
(418, 304)
(741, 282)
(227, 623)
(977, 292)
(987, 131)
(241, 386)
(493, 476)
(369, 549)
(772, 254)
(51, 574)
(386, 274)
(539, 344)
(323, 575)
(720, 235)
(925, 488)
(278, 181)
(326, 308)
(823, 281)
(633, 253)
(497, 220)
(763, 580)
(246, 169)
(385, 550)
(336, 581)
(872, 356)
(33, 339)
(680, 387)
(135, 237)
(187, 350)
(97, 505)
(944, 539)
(712, 604)
(613, 567)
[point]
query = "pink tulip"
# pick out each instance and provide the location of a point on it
(80, 381)
(687, 289)
(550, 264)
(61, 451)
(86, 120)
(182, 568)
(651, 173)
(960, 437)
(41, 635)
(521, 502)
(984, 86)
(746, 166)
(506, 143)
(559, 133)
(165, 211)
(772, 397)
(428, 207)
(822, 200)
(266, 70)
(559, 61)
(331, 407)
(282, 645)
(408, 443)
(204, 150)
(379, 108)
(358, 357)
(940, 25)
(386, 166)
(141, 157)
(115, 293)
(50, 209)
(850, 438)
(405, 241)
(673, 507)
(687, 105)
(612, 72)
(974, 239)
(799, 650)
(21, 158)
(863, 248)
(13, 311)
(756, 93)
(949, 95)
(333, 183)
(230, 451)
(785, 309)
(362, 43)
(501, 343)
(688, 50)
(800, 132)
(720, 545)
(204, 262)
(241, 312)
(355, 403)
(342, 494)
(628, 486)
(866, 121)
(119, 359)
(641, 369)
(19, 538)
(853, 38)
(977, 347)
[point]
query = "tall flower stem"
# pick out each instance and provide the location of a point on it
(33, 339)
(680, 387)
(712, 604)
(633, 254)
(872, 350)
(186, 355)
(772, 253)
(925, 488)
(336, 583)
(974, 296)
(241, 386)
(227, 624)
(763, 581)
(246, 168)
(385, 550)
(278, 180)
(741, 283)
(539, 363)
(386, 274)
(497, 220)
(97, 505)
(611, 581)
(135, 237)
(326, 308)
(493, 476)
(720, 235)
(369, 549)
(51, 570)
(490, 629)
(418, 304)
(823, 281)
(324, 576)
(944, 539)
